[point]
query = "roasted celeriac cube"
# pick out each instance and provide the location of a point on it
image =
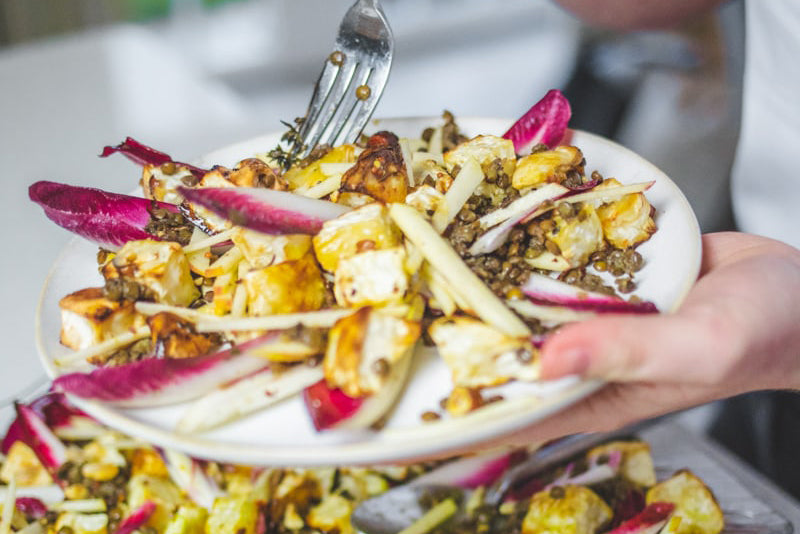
(363, 347)
(88, 318)
(380, 170)
(160, 182)
(431, 174)
(173, 337)
(210, 221)
(637, 462)
(310, 175)
(159, 266)
(24, 467)
(481, 356)
(425, 199)
(695, 504)
(332, 515)
(628, 221)
(233, 515)
(160, 491)
(566, 510)
(365, 228)
(547, 166)
(252, 172)
(485, 149)
(291, 286)
(187, 520)
(577, 234)
(372, 277)
(262, 250)
(81, 523)
(295, 486)
(146, 461)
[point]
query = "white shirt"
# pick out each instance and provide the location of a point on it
(766, 174)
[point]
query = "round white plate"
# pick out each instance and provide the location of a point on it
(283, 434)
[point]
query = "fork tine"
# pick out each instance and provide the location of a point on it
(321, 91)
(336, 114)
(326, 105)
(347, 104)
(351, 129)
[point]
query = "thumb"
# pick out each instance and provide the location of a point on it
(661, 348)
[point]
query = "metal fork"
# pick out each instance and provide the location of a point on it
(352, 80)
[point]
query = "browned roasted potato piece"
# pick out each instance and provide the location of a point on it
(175, 338)
(637, 462)
(363, 347)
(291, 286)
(366, 228)
(88, 318)
(379, 171)
(695, 504)
(577, 232)
(566, 510)
(253, 172)
(479, 355)
(547, 166)
(627, 221)
(159, 266)
(308, 173)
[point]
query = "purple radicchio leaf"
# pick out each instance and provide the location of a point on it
(545, 290)
(161, 381)
(546, 122)
(108, 219)
(35, 433)
(649, 521)
(31, 507)
(265, 210)
(137, 518)
(142, 154)
(52, 407)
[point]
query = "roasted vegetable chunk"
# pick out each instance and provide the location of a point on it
(566, 510)
(233, 515)
(363, 347)
(637, 462)
(548, 166)
(695, 505)
(372, 277)
(628, 221)
(160, 266)
(291, 286)
(365, 228)
(481, 356)
(380, 171)
(88, 318)
(174, 337)
(262, 250)
(305, 176)
(576, 232)
(485, 149)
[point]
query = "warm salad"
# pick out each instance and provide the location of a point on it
(236, 288)
(61, 472)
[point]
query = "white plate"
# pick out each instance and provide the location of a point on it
(283, 434)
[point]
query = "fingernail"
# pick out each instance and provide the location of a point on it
(568, 362)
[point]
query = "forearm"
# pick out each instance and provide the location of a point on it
(636, 14)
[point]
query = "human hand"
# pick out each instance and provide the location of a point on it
(737, 331)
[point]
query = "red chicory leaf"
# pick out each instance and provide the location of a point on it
(108, 219)
(144, 155)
